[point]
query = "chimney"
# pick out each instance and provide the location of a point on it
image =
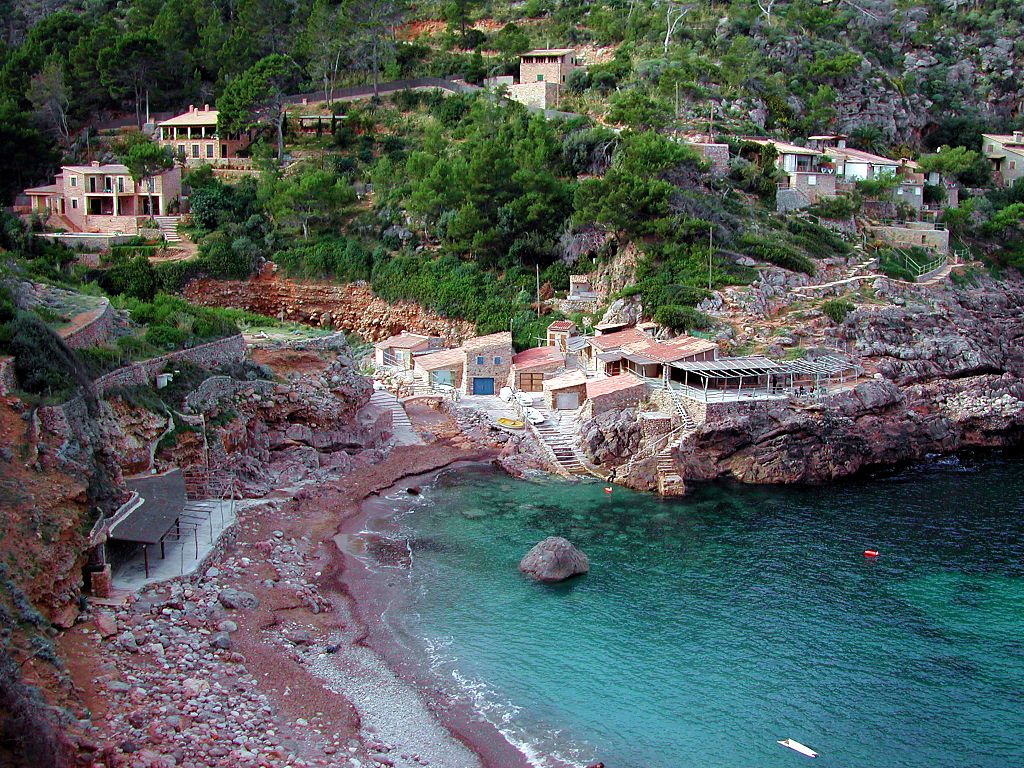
(95, 164)
(1018, 137)
(841, 144)
(206, 107)
(191, 108)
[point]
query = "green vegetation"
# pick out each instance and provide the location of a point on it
(837, 309)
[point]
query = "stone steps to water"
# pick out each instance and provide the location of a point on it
(562, 448)
(404, 432)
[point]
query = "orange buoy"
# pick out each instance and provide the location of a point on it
(608, 489)
(870, 553)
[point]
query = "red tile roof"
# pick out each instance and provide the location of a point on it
(619, 339)
(402, 341)
(449, 358)
(562, 325)
(538, 357)
(612, 384)
(692, 344)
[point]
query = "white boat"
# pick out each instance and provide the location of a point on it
(796, 746)
(534, 416)
(525, 398)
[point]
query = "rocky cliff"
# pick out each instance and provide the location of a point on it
(948, 373)
(352, 308)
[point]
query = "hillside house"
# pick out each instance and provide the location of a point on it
(603, 353)
(105, 198)
(399, 351)
(481, 366)
(1006, 154)
(559, 333)
(193, 138)
(809, 178)
(581, 288)
(542, 75)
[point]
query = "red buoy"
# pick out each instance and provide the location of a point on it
(608, 489)
(870, 553)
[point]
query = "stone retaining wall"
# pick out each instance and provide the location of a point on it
(210, 355)
(95, 333)
(7, 381)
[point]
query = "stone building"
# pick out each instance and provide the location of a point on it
(481, 366)
(398, 351)
(543, 74)
(530, 367)
(1006, 154)
(615, 393)
(488, 363)
(193, 137)
(566, 392)
(105, 198)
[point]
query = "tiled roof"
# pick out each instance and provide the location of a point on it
(49, 189)
(562, 325)
(692, 344)
(482, 342)
(194, 117)
(662, 353)
(449, 358)
(619, 339)
(566, 380)
(612, 384)
(783, 147)
(550, 52)
(538, 357)
(402, 341)
(112, 168)
(859, 155)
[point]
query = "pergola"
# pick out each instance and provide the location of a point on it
(758, 376)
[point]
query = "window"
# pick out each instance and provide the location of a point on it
(540, 78)
(120, 183)
(479, 359)
(74, 203)
(181, 150)
(497, 361)
(209, 150)
(195, 150)
(74, 181)
(812, 181)
(1013, 164)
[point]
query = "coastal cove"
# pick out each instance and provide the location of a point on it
(713, 625)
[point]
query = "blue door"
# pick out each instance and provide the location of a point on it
(483, 386)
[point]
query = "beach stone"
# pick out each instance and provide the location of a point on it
(106, 624)
(554, 559)
(236, 598)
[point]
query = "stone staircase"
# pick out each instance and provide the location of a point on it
(169, 227)
(559, 442)
(670, 482)
(404, 433)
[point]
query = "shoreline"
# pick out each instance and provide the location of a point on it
(367, 590)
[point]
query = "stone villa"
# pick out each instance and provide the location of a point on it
(104, 198)
(193, 138)
(1006, 154)
(543, 73)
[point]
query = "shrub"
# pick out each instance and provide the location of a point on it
(777, 253)
(837, 309)
(681, 318)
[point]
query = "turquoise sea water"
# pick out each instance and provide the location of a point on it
(711, 626)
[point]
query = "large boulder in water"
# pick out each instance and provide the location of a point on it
(554, 559)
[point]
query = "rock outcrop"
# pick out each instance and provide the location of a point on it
(554, 559)
(352, 308)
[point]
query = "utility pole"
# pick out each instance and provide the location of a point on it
(711, 252)
(711, 124)
(537, 267)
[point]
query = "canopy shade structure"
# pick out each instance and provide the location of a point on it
(164, 501)
(828, 365)
(730, 367)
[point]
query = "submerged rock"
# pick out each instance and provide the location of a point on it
(554, 559)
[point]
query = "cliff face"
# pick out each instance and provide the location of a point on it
(949, 374)
(352, 308)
